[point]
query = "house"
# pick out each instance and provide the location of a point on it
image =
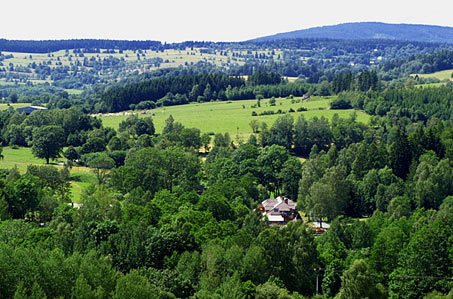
(278, 211)
(29, 109)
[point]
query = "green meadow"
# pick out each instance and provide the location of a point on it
(234, 116)
(4, 106)
(442, 75)
(81, 177)
(219, 117)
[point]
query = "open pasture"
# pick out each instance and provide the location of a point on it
(442, 75)
(21, 157)
(233, 116)
(4, 106)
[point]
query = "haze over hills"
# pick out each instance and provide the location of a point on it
(371, 30)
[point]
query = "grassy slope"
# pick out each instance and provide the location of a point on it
(81, 177)
(442, 75)
(232, 117)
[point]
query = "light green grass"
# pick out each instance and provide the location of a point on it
(442, 75)
(74, 91)
(79, 182)
(81, 177)
(15, 106)
(232, 117)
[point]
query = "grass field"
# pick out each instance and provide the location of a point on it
(442, 75)
(74, 91)
(15, 106)
(81, 177)
(233, 117)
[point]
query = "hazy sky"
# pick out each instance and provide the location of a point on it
(178, 20)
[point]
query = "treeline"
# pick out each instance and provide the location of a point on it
(46, 46)
(69, 127)
(425, 63)
(417, 104)
(119, 97)
(183, 89)
(365, 81)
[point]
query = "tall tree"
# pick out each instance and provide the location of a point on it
(48, 141)
(358, 283)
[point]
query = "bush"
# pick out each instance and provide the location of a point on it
(341, 104)
(300, 109)
(267, 112)
(145, 105)
(254, 113)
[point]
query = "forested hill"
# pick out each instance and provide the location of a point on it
(45, 46)
(371, 30)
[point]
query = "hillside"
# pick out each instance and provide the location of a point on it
(46, 46)
(371, 30)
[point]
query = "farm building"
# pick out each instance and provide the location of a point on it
(29, 109)
(278, 211)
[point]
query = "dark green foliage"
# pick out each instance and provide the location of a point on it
(291, 248)
(424, 265)
(357, 282)
(48, 142)
(119, 98)
(309, 133)
(154, 169)
(340, 104)
(100, 162)
(23, 196)
(281, 133)
(264, 78)
(135, 126)
(93, 145)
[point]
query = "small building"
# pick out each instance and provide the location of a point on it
(279, 211)
(305, 97)
(29, 109)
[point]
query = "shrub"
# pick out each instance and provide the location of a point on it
(341, 104)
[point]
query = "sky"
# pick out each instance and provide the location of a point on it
(213, 20)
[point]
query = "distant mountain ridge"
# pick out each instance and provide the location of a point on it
(371, 30)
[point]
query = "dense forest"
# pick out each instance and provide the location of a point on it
(160, 223)
(371, 30)
(46, 46)
(173, 211)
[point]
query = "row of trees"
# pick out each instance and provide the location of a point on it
(46, 46)
(417, 104)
